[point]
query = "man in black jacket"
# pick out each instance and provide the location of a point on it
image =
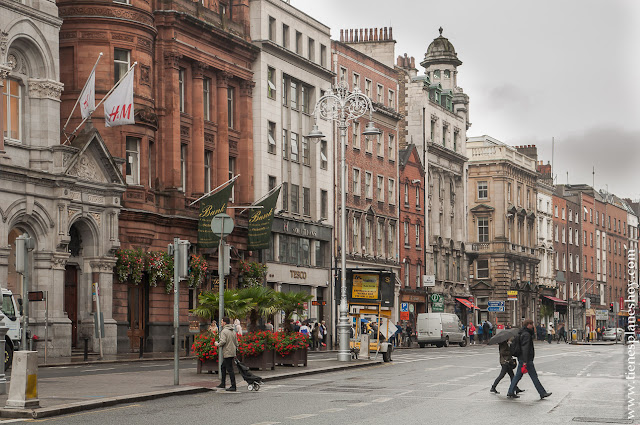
(525, 358)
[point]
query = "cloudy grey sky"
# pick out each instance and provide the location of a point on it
(533, 70)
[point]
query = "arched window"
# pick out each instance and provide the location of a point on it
(12, 93)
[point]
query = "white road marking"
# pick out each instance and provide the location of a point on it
(303, 416)
(267, 423)
(404, 393)
(333, 410)
(104, 368)
(382, 400)
(359, 404)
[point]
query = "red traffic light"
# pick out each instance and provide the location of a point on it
(584, 301)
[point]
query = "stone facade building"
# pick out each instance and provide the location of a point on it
(193, 111)
(65, 197)
(372, 161)
(436, 120)
(502, 229)
(292, 72)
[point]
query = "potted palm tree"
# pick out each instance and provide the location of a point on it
(256, 347)
(208, 306)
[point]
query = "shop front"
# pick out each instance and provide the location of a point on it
(417, 303)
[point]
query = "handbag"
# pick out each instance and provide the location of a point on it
(512, 363)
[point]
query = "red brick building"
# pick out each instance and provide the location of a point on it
(192, 99)
(412, 224)
(372, 162)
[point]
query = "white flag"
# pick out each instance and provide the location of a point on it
(118, 108)
(88, 96)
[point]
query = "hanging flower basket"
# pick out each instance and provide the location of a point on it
(130, 265)
(159, 267)
(198, 267)
(252, 273)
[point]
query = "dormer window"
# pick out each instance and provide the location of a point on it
(436, 74)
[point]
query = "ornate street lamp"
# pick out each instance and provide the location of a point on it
(342, 107)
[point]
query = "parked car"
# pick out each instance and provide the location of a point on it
(440, 329)
(610, 334)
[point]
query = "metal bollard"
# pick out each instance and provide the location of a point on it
(141, 347)
(86, 349)
(186, 344)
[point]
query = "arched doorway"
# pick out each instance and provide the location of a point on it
(71, 300)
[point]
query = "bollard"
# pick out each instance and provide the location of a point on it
(23, 391)
(86, 349)
(141, 347)
(186, 344)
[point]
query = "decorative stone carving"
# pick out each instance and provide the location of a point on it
(71, 212)
(68, 35)
(131, 15)
(147, 116)
(246, 88)
(119, 36)
(95, 199)
(144, 43)
(172, 60)
(97, 217)
(223, 79)
(184, 131)
(58, 263)
(4, 39)
(4, 72)
(209, 138)
(75, 196)
(93, 35)
(45, 89)
(233, 146)
(145, 72)
(198, 69)
(101, 266)
(87, 169)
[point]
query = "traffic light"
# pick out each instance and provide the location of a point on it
(584, 303)
(611, 307)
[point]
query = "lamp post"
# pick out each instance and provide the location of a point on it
(342, 106)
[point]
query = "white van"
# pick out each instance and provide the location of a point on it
(440, 329)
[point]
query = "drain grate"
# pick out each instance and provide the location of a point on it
(603, 420)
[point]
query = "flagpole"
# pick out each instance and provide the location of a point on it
(213, 190)
(263, 197)
(104, 98)
(85, 85)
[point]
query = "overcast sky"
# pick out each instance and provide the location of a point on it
(533, 70)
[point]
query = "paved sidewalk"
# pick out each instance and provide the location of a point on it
(64, 395)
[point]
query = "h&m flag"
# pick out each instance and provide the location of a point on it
(260, 221)
(118, 107)
(209, 207)
(88, 96)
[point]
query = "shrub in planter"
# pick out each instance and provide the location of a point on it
(256, 350)
(291, 348)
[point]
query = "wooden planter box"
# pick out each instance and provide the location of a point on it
(263, 361)
(295, 358)
(211, 366)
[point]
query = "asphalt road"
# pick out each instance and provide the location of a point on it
(431, 385)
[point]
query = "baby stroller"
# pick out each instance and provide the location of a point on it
(254, 381)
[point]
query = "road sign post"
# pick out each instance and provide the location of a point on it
(221, 224)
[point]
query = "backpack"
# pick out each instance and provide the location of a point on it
(516, 348)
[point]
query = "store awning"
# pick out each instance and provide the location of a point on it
(555, 300)
(468, 303)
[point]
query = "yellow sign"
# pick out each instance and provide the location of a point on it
(512, 293)
(365, 286)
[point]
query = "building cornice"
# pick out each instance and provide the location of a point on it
(294, 58)
(25, 10)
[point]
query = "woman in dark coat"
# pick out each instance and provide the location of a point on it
(506, 363)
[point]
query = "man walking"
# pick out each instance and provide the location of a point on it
(227, 346)
(525, 353)
(485, 331)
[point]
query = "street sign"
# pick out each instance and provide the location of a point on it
(437, 303)
(428, 280)
(602, 314)
(404, 315)
(36, 296)
(318, 303)
(512, 295)
(556, 314)
(495, 306)
(404, 307)
(222, 224)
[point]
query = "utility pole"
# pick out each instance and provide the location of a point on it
(24, 244)
(180, 251)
